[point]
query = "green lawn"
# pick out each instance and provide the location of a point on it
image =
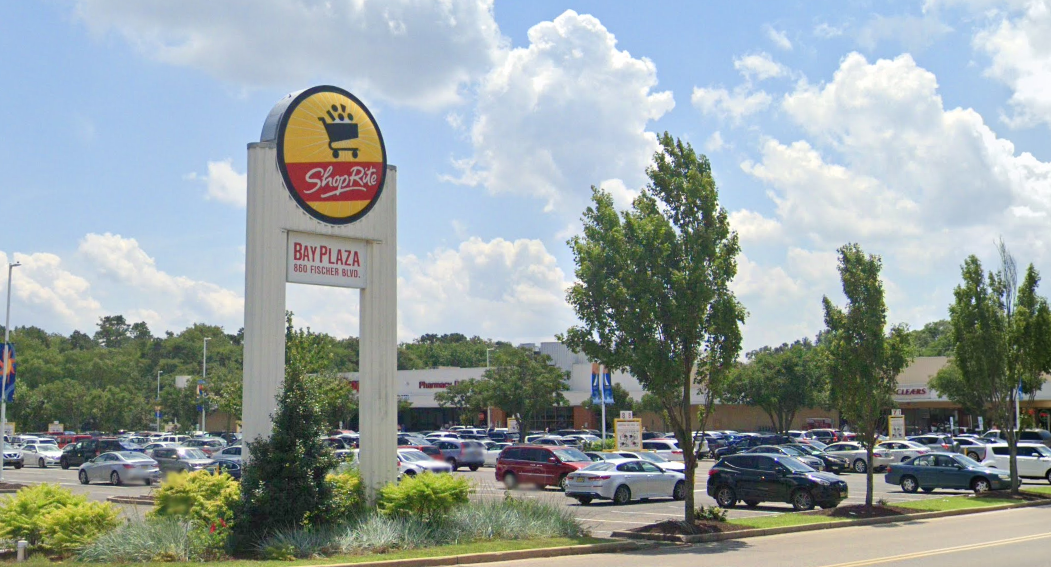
(1037, 489)
(784, 520)
(954, 503)
(442, 551)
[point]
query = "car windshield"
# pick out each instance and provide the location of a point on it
(598, 466)
(794, 450)
(794, 465)
(191, 453)
(570, 455)
(413, 456)
(967, 461)
(1043, 451)
(653, 458)
(133, 456)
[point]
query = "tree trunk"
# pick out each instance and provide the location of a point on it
(868, 475)
(1012, 447)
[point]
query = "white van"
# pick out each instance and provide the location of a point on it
(1034, 460)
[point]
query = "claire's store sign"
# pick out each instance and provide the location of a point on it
(325, 260)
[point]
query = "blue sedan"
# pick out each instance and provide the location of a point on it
(944, 470)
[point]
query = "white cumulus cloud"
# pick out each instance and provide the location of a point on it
(223, 183)
(733, 105)
(760, 66)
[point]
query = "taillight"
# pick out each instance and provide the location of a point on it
(890, 469)
(676, 452)
(604, 477)
(944, 446)
(127, 466)
(711, 472)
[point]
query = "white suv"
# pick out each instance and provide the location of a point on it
(1034, 461)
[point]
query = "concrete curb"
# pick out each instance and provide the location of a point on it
(495, 556)
(137, 500)
(741, 534)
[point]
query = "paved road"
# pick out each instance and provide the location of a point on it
(1019, 538)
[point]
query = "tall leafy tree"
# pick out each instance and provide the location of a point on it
(1000, 333)
(864, 360)
(780, 381)
(523, 384)
(467, 396)
(652, 291)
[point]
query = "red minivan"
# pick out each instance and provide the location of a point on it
(538, 465)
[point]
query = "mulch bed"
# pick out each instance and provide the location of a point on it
(11, 486)
(679, 527)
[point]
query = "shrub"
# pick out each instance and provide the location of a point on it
(425, 496)
(200, 497)
(512, 518)
(73, 527)
(709, 514)
(159, 539)
(24, 515)
(348, 494)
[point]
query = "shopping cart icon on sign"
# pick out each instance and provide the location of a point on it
(341, 130)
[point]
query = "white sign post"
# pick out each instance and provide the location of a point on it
(322, 210)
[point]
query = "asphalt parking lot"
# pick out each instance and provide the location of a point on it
(601, 516)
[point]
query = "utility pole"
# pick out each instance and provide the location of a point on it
(489, 410)
(7, 368)
(158, 408)
(204, 377)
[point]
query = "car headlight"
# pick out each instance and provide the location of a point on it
(1006, 476)
(822, 481)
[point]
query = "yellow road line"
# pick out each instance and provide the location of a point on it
(942, 551)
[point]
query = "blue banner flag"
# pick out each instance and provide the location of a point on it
(607, 387)
(596, 397)
(9, 390)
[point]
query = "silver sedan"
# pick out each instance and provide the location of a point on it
(118, 467)
(623, 480)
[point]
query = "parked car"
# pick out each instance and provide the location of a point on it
(87, 449)
(943, 470)
(42, 455)
(461, 453)
(232, 468)
(655, 458)
(829, 463)
(118, 467)
(935, 442)
(430, 450)
(827, 436)
(1041, 436)
(667, 448)
(228, 454)
(13, 456)
(812, 462)
(855, 453)
(210, 445)
(756, 478)
(1034, 460)
(538, 465)
(973, 447)
(622, 480)
(902, 450)
(177, 439)
(412, 462)
(492, 451)
(738, 445)
(179, 459)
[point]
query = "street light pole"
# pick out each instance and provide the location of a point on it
(489, 410)
(204, 377)
(7, 368)
(157, 410)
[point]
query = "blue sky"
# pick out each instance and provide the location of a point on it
(919, 130)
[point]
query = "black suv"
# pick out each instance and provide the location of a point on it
(74, 455)
(742, 444)
(756, 477)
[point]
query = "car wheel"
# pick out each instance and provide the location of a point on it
(1049, 476)
(909, 484)
(751, 503)
(410, 473)
(802, 500)
(64, 464)
(114, 479)
(928, 490)
(679, 492)
(41, 464)
(973, 456)
(980, 485)
(725, 497)
(83, 476)
(148, 482)
(622, 495)
(860, 466)
(473, 468)
(454, 464)
(562, 480)
(18, 466)
(510, 480)
(584, 500)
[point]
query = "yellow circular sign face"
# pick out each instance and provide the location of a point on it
(331, 155)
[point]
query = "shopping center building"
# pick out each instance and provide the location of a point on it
(923, 407)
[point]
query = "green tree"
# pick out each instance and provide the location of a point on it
(338, 402)
(971, 395)
(621, 402)
(780, 381)
(284, 482)
(864, 361)
(653, 290)
(934, 339)
(1000, 333)
(523, 384)
(467, 396)
(113, 331)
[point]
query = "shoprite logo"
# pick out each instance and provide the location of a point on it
(331, 155)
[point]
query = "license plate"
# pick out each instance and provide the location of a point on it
(580, 480)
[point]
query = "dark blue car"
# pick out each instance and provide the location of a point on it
(946, 470)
